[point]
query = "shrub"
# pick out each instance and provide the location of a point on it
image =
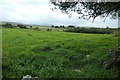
(36, 28)
(52, 26)
(56, 26)
(62, 26)
(30, 26)
(114, 59)
(116, 34)
(8, 25)
(90, 30)
(71, 26)
(49, 29)
(22, 26)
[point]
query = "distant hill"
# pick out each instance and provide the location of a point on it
(13, 23)
(16, 23)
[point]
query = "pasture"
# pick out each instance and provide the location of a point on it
(55, 54)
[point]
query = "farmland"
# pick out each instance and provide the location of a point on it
(55, 54)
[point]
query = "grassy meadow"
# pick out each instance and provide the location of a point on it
(55, 54)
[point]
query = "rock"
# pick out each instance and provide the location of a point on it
(77, 70)
(87, 56)
(28, 77)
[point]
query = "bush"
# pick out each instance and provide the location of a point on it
(52, 26)
(62, 26)
(71, 26)
(8, 25)
(22, 26)
(36, 28)
(90, 30)
(49, 29)
(30, 26)
(114, 59)
(56, 26)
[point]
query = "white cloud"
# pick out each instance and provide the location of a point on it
(39, 12)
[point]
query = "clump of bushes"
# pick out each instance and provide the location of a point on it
(114, 59)
(36, 28)
(22, 26)
(49, 29)
(54, 26)
(62, 26)
(30, 26)
(71, 26)
(8, 25)
(116, 33)
(89, 30)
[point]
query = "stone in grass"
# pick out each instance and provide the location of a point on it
(77, 70)
(28, 77)
(87, 56)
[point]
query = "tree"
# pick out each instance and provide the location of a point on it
(30, 26)
(62, 26)
(71, 26)
(52, 26)
(89, 10)
(22, 26)
(8, 25)
(56, 26)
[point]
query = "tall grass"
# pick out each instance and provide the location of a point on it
(51, 54)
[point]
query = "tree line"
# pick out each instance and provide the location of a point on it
(9, 25)
(69, 28)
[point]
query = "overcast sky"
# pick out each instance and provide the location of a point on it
(39, 12)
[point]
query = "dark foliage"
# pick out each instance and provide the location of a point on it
(89, 10)
(22, 26)
(52, 26)
(8, 25)
(49, 29)
(114, 59)
(30, 26)
(71, 26)
(56, 26)
(62, 26)
(90, 30)
(36, 28)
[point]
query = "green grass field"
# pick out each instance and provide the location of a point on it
(52, 54)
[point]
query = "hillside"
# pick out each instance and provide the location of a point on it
(13, 23)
